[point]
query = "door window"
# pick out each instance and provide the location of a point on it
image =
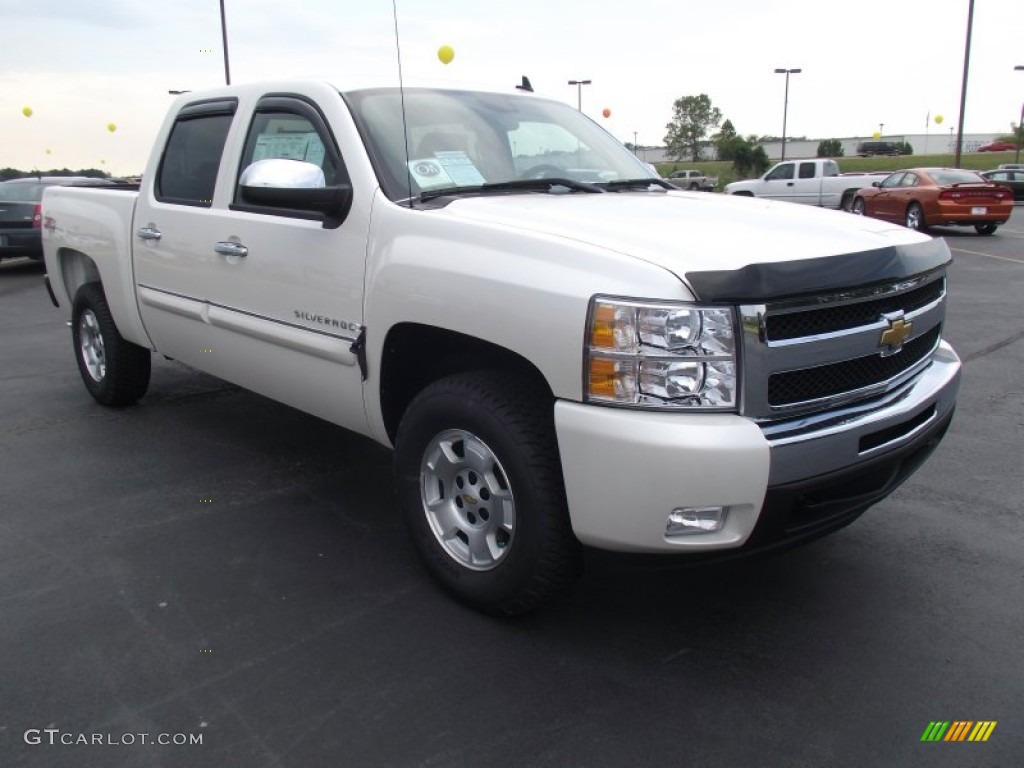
(806, 170)
(188, 170)
(784, 171)
(290, 128)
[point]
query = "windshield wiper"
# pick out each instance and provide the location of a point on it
(619, 184)
(528, 185)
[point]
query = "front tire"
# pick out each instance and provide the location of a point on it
(115, 371)
(915, 218)
(985, 229)
(858, 206)
(480, 486)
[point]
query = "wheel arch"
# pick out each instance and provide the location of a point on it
(415, 355)
(76, 269)
(849, 195)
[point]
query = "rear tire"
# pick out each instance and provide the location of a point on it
(480, 486)
(985, 229)
(915, 218)
(115, 371)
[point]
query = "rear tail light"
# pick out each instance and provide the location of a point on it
(37, 217)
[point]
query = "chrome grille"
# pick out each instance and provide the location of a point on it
(850, 375)
(807, 355)
(815, 321)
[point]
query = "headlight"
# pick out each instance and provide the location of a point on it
(660, 354)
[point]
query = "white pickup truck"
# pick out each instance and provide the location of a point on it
(556, 361)
(812, 182)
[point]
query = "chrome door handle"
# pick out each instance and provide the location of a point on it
(149, 233)
(231, 249)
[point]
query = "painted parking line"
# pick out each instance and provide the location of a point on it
(988, 255)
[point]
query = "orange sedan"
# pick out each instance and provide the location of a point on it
(920, 198)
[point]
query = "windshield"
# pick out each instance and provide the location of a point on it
(467, 139)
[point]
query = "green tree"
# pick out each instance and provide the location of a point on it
(750, 158)
(692, 116)
(726, 141)
(1015, 136)
(906, 148)
(830, 148)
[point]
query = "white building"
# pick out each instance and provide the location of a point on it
(938, 143)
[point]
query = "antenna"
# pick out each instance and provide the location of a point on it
(401, 91)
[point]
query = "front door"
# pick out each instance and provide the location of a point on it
(780, 183)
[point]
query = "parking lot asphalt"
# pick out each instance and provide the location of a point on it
(212, 564)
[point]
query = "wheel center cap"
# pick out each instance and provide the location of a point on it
(471, 500)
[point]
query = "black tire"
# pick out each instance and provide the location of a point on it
(985, 229)
(503, 424)
(693, 186)
(857, 208)
(115, 371)
(914, 218)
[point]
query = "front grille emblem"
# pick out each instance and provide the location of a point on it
(896, 334)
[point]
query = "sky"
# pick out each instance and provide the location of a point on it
(82, 66)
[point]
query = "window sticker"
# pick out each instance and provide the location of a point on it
(290, 146)
(446, 169)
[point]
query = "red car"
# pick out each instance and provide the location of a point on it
(997, 146)
(920, 198)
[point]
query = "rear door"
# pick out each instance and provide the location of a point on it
(807, 184)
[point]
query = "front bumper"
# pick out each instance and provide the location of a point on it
(626, 470)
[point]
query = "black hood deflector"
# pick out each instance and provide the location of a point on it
(762, 283)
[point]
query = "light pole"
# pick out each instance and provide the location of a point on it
(579, 92)
(634, 142)
(224, 37)
(881, 130)
(785, 104)
(1020, 122)
(963, 85)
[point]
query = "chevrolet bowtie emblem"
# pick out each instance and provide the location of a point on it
(894, 336)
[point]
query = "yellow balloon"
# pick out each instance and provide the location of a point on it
(446, 53)
(49, 152)
(876, 135)
(111, 127)
(938, 119)
(103, 161)
(26, 111)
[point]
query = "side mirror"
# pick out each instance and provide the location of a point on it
(876, 184)
(295, 185)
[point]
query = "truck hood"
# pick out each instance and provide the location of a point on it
(692, 233)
